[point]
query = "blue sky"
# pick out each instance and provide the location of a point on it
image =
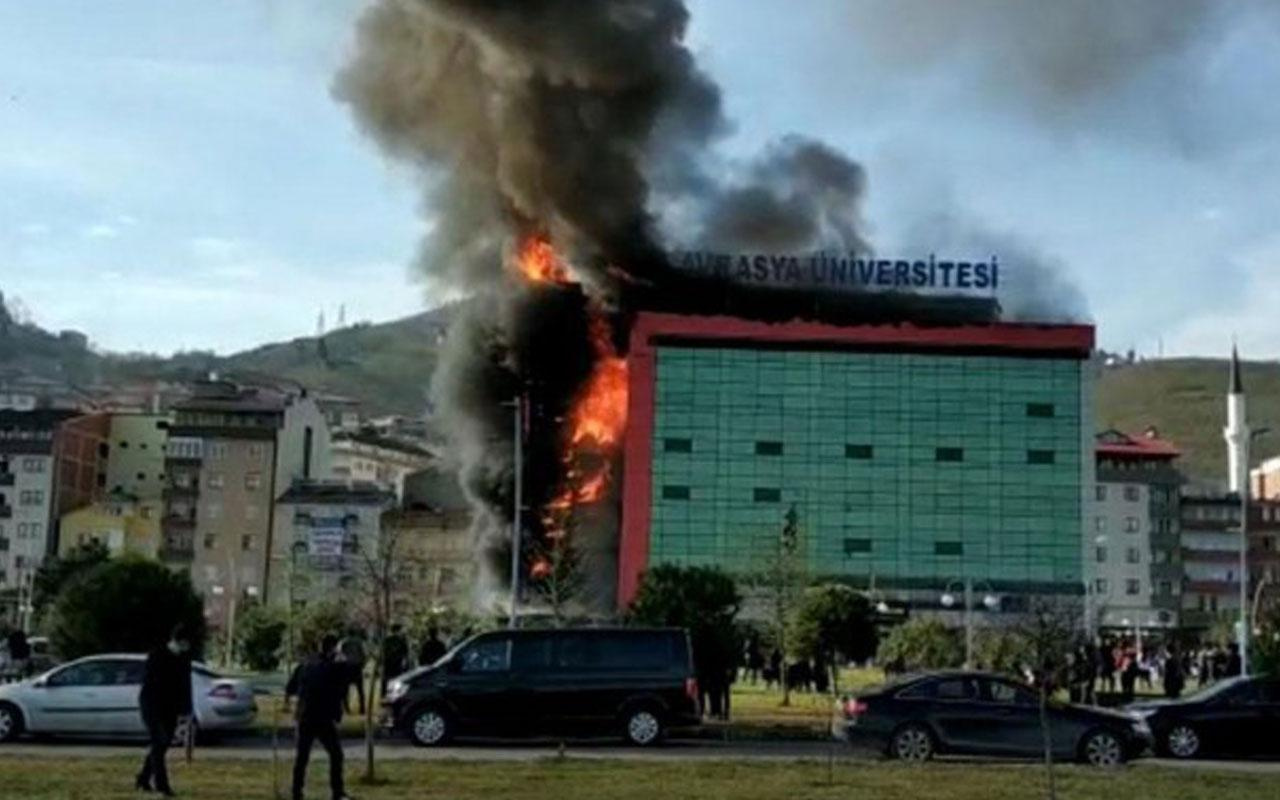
(177, 176)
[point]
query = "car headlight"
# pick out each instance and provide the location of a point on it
(395, 690)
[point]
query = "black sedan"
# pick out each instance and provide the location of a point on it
(1236, 717)
(972, 713)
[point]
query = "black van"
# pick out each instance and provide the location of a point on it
(638, 682)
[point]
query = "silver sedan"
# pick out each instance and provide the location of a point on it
(98, 696)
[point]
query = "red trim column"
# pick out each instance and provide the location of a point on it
(637, 486)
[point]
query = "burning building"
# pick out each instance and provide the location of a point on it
(565, 147)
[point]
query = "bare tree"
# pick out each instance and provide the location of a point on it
(556, 569)
(384, 571)
(1049, 633)
(780, 582)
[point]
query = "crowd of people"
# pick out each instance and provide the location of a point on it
(1122, 668)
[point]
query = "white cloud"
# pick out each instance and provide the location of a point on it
(101, 231)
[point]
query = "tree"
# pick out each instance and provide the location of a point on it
(779, 578)
(58, 571)
(702, 600)
(1049, 633)
(556, 567)
(834, 623)
(124, 605)
(921, 644)
(1266, 642)
(1000, 650)
(260, 636)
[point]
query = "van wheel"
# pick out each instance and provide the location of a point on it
(642, 727)
(11, 722)
(429, 727)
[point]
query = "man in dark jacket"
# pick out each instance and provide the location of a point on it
(320, 683)
(432, 649)
(164, 699)
(395, 655)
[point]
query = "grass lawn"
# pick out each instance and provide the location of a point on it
(34, 779)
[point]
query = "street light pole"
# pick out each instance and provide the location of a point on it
(1243, 633)
(518, 477)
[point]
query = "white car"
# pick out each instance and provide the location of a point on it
(98, 696)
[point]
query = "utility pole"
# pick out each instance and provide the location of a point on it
(518, 477)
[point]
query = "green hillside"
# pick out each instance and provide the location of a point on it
(1186, 400)
(388, 368)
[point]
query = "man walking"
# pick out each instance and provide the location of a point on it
(320, 683)
(164, 699)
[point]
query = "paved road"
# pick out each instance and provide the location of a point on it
(259, 748)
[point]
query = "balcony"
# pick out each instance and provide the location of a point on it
(174, 491)
(183, 551)
(179, 521)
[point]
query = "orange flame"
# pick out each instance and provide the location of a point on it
(538, 262)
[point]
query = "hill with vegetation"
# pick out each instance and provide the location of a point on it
(1185, 399)
(388, 368)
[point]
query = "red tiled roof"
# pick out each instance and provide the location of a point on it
(1116, 443)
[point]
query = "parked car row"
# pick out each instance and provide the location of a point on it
(98, 696)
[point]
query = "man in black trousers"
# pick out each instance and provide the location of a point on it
(164, 699)
(320, 683)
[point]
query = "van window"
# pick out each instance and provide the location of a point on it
(615, 651)
(489, 655)
(531, 653)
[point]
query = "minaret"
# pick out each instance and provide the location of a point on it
(1237, 431)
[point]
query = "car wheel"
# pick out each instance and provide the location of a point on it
(429, 727)
(912, 743)
(1182, 741)
(642, 727)
(10, 722)
(1102, 749)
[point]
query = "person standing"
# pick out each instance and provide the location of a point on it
(320, 683)
(395, 655)
(432, 649)
(19, 654)
(1174, 678)
(164, 699)
(1233, 662)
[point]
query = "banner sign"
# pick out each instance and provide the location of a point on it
(844, 271)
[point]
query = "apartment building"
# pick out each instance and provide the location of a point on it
(367, 455)
(1132, 558)
(28, 489)
(232, 450)
(326, 539)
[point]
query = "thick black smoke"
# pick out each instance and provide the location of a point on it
(588, 123)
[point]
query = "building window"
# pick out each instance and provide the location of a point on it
(1132, 494)
(1166, 588)
(250, 511)
(677, 445)
(768, 448)
(1102, 493)
(1132, 586)
(213, 510)
(255, 452)
(1101, 555)
(141, 476)
(861, 452)
(675, 492)
(948, 549)
(31, 497)
(949, 454)
(1100, 586)
(1100, 524)
(122, 444)
(253, 480)
(218, 450)
(1131, 525)
(852, 546)
(33, 464)
(1040, 457)
(1132, 556)
(246, 541)
(209, 541)
(1040, 410)
(763, 495)
(215, 480)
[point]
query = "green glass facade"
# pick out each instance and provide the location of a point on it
(914, 469)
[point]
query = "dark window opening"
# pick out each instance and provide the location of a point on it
(950, 454)
(762, 495)
(768, 448)
(859, 451)
(857, 546)
(677, 445)
(1041, 410)
(1040, 457)
(307, 436)
(948, 548)
(675, 492)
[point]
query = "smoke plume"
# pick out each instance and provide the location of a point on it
(588, 125)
